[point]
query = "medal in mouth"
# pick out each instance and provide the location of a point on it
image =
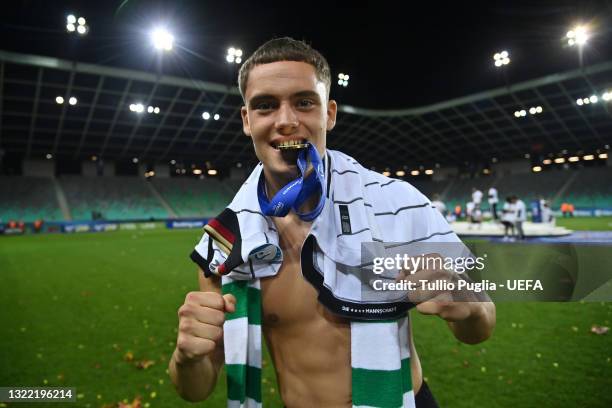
(292, 145)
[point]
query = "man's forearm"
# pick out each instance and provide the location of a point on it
(194, 381)
(478, 326)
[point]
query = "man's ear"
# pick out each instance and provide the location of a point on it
(246, 127)
(332, 110)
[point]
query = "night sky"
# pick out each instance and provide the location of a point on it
(398, 55)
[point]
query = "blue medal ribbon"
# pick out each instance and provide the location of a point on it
(294, 194)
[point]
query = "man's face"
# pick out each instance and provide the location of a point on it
(286, 101)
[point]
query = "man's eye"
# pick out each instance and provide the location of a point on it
(263, 106)
(305, 103)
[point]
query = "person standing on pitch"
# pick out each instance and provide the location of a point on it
(259, 274)
(493, 200)
(521, 216)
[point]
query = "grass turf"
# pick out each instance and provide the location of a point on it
(74, 307)
(586, 223)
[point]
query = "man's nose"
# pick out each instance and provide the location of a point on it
(287, 120)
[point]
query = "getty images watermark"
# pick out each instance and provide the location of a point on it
(437, 273)
(451, 271)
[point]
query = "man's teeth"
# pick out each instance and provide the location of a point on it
(288, 144)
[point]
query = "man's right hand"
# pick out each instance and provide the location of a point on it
(200, 327)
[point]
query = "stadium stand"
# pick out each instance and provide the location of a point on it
(126, 198)
(532, 186)
(460, 190)
(28, 199)
(116, 198)
(591, 188)
(430, 188)
(195, 198)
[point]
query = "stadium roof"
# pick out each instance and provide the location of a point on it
(476, 127)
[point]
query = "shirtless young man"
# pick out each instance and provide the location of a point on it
(287, 97)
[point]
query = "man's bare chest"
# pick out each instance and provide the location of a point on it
(287, 298)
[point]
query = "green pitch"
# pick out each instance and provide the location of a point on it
(87, 310)
(586, 223)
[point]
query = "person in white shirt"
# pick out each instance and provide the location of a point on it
(493, 200)
(438, 204)
(469, 208)
(508, 218)
(521, 215)
(547, 214)
(476, 196)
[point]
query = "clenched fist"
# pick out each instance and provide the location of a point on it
(200, 327)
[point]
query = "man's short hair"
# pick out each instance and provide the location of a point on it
(285, 49)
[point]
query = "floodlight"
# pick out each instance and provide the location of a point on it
(588, 157)
(582, 35)
(49, 156)
(72, 100)
(234, 55)
(212, 172)
(150, 109)
(156, 110)
(594, 99)
(206, 115)
(536, 169)
(429, 172)
(162, 39)
(135, 160)
(216, 117)
(400, 173)
(71, 24)
(59, 100)
(501, 58)
(414, 173)
(343, 79)
(579, 35)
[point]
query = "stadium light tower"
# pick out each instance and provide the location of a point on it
(234, 55)
(501, 58)
(343, 80)
(78, 25)
(578, 36)
(162, 39)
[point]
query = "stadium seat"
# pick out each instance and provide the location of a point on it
(28, 199)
